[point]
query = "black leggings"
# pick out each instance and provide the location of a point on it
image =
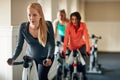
(43, 71)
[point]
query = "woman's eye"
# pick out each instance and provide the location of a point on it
(29, 15)
(34, 15)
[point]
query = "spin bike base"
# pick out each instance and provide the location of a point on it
(95, 71)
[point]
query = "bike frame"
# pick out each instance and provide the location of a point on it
(94, 67)
(30, 73)
(74, 58)
(79, 58)
(29, 68)
(58, 64)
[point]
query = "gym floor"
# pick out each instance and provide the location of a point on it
(110, 64)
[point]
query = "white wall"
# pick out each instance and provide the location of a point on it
(5, 12)
(18, 11)
(46, 7)
(5, 52)
(109, 31)
(51, 7)
(103, 19)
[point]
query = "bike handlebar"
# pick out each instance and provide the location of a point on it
(15, 63)
(94, 36)
(58, 43)
(18, 63)
(25, 62)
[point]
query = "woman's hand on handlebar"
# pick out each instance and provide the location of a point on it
(10, 61)
(47, 62)
(62, 54)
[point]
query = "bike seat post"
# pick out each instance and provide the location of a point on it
(75, 61)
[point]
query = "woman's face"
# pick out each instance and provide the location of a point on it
(74, 20)
(33, 17)
(61, 16)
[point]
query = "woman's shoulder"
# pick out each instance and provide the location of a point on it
(23, 25)
(69, 23)
(50, 27)
(83, 25)
(67, 20)
(49, 23)
(55, 21)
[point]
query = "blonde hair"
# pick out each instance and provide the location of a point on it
(42, 31)
(61, 11)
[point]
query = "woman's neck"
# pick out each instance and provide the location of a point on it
(34, 27)
(33, 31)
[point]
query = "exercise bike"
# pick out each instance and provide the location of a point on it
(74, 59)
(94, 66)
(29, 68)
(62, 67)
(57, 69)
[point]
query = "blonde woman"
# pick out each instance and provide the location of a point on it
(59, 25)
(39, 35)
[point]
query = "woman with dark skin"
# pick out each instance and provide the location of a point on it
(39, 36)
